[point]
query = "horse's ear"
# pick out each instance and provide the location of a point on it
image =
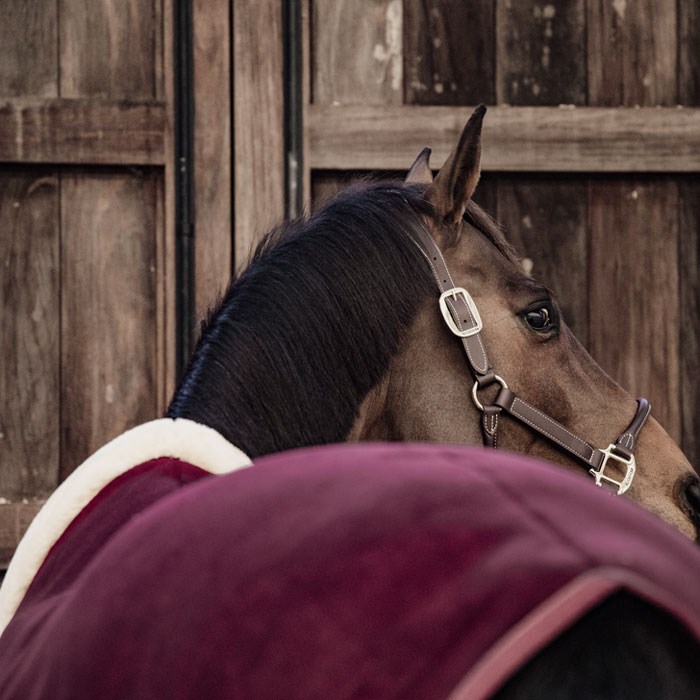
(420, 172)
(455, 183)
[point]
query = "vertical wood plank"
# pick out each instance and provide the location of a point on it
(306, 100)
(325, 184)
(167, 284)
(108, 48)
(357, 51)
(108, 308)
(161, 55)
(631, 53)
(212, 151)
(689, 256)
(486, 195)
(634, 305)
(541, 52)
(28, 36)
(258, 122)
(545, 218)
(449, 52)
(688, 53)
(29, 339)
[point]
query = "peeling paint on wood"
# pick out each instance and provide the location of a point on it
(541, 53)
(449, 52)
(358, 51)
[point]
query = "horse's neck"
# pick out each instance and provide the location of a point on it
(425, 395)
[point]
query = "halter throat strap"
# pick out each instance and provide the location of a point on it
(462, 318)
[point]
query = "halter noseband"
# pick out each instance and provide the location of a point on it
(463, 319)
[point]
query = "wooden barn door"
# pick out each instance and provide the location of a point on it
(86, 279)
(591, 160)
(591, 152)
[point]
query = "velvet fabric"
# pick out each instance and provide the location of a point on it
(365, 571)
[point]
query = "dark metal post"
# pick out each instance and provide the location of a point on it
(293, 126)
(184, 184)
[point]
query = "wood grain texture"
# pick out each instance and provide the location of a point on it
(108, 308)
(325, 184)
(632, 52)
(688, 53)
(546, 219)
(29, 340)
(548, 139)
(82, 132)
(541, 52)
(212, 146)
(167, 282)
(305, 101)
(28, 47)
(108, 48)
(328, 183)
(689, 257)
(634, 305)
(486, 195)
(258, 122)
(449, 51)
(14, 521)
(357, 51)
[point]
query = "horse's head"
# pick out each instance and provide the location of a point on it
(428, 392)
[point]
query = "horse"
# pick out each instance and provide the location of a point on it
(336, 331)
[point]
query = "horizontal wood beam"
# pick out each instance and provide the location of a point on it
(529, 139)
(82, 132)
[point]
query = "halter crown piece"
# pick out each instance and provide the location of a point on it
(462, 318)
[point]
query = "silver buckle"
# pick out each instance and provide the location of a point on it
(600, 476)
(449, 319)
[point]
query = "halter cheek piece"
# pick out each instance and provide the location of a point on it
(463, 319)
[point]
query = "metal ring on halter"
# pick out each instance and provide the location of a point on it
(475, 390)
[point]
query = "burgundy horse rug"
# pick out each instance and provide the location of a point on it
(363, 571)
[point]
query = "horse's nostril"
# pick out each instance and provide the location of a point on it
(692, 495)
(687, 496)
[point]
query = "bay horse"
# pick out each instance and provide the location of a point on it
(400, 312)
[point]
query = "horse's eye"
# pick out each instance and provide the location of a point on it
(540, 318)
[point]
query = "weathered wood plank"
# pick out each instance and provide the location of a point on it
(108, 308)
(212, 151)
(541, 52)
(258, 122)
(81, 132)
(14, 521)
(634, 316)
(545, 218)
(689, 257)
(29, 340)
(449, 52)
(328, 183)
(167, 282)
(357, 50)
(28, 47)
(306, 176)
(108, 49)
(325, 184)
(632, 52)
(688, 54)
(576, 139)
(486, 195)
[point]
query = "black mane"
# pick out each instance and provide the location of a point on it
(309, 327)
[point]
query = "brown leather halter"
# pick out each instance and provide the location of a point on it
(463, 319)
